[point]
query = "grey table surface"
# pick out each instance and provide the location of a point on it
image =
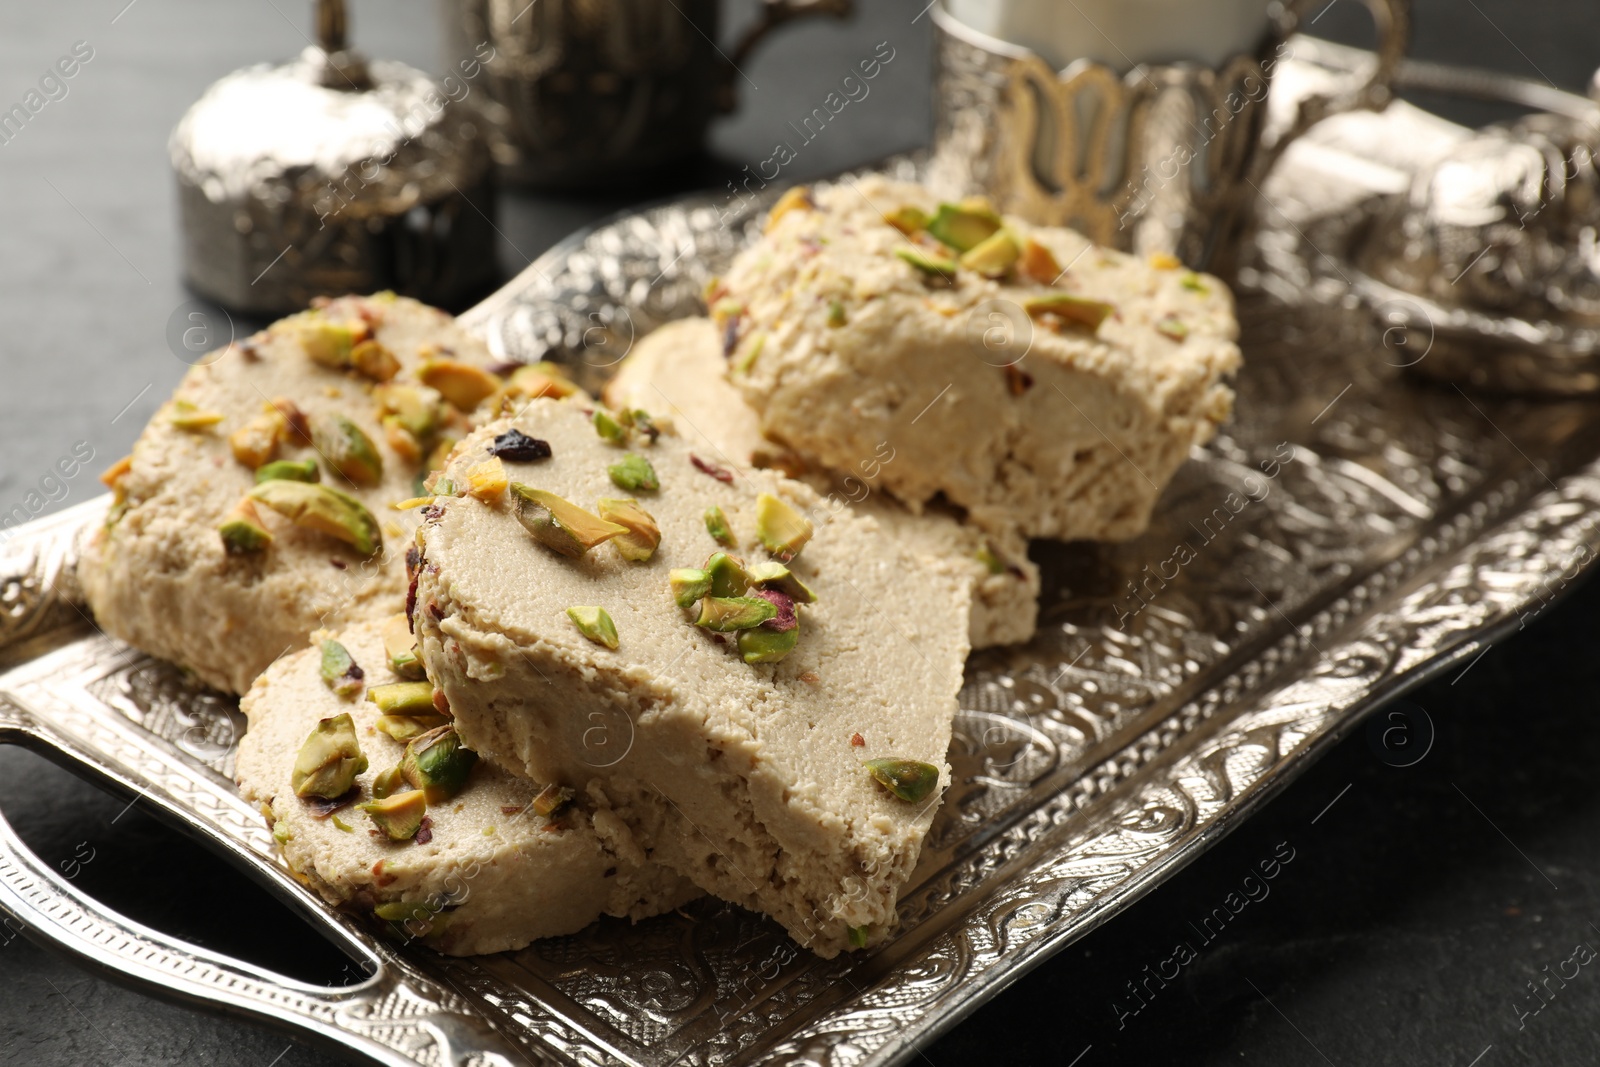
(1409, 922)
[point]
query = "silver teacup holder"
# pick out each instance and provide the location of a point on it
(1164, 158)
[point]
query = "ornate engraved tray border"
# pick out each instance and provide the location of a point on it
(1352, 533)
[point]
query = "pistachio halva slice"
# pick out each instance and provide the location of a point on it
(502, 862)
(202, 566)
(851, 634)
(1018, 372)
(680, 369)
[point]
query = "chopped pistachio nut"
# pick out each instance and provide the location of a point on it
(553, 800)
(329, 760)
(404, 727)
(1172, 328)
(324, 509)
(1074, 309)
(399, 911)
(414, 407)
(399, 815)
(387, 783)
(634, 473)
(257, 441)
(725, 614)
(965, 225)
(928, 262)
(403, 698)
(689, 584)
(761, 645)
(781, 529)
(796, 199)
(241, 529)
(858, 936)
(486, 481)
(1039, 263)
(751, 354)
(340, 824)
(437, 763)
(908, 779)
(464, 385)
(1193, 283)
(185, 416)
(288, 470)
(401, 441)
(907, 219)
(643, 536)
(373, 360)
(328, 343)
(836, 316)
(281, 833)
(339, 670)
(347, 449)
(774, 575)
(717, 526)
(561, 525)
(786, 619)
(439, 458)
(543, 379)
(400, 645)
(994, 256)
(595, 624)
(639, 421)
(609, 429)
(990, 561)
(728, 575)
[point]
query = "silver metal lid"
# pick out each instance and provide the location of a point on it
(330, 174)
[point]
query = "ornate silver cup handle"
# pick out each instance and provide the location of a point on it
(396, 1016)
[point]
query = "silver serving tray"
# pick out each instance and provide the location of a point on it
(1412, 525)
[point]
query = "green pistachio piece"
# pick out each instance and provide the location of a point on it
(595, 624)
(340, 824)
(281, 833)
(639, 421)
(908, 779)
(928, 262)
(836, 315)
(339, 670)
(717, 526)
(689, 584)
(990, 561)
(242, 531)
(387, 783)
(372, 359)
(994, 255)
(404, 727)
(328, 344)
(634, 474)
(329, 760)
(774, 575)
(608, 427)
(751, 354)
(643, 536)
(324, 509)
(400, 645)
(561, 525)
(1074, 309)
(403, 698)
(417, 408)
(1193, 283)
(289, 470)
(399, 911)
(728, 576)
(399, 815)
(464, 385)
(185, 416)
(347, 449)
(437, 763)
(965, 225)
(1172, 328)
(858, 936)
(907, 219)
(553, 800)
(781, 529)
(725, 614)
(761, 645)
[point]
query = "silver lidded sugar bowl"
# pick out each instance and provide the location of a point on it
(334, 174)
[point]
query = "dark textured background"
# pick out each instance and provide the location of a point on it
(1404, 928)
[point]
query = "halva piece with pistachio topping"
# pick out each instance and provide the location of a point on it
(706, 695)
(1020, 373)
(678, 374)
(463, 857)
(256, 504)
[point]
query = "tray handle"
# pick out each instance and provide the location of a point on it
(397, 1017)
